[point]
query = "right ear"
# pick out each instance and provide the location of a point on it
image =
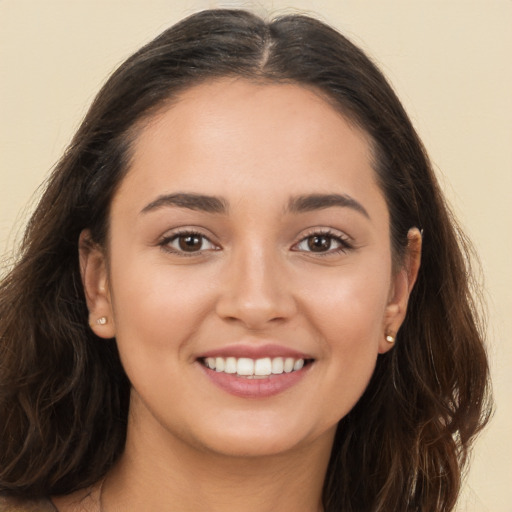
(93, 269)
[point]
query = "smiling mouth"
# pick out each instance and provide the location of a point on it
(249, 368)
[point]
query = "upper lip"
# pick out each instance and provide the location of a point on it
(253, 351)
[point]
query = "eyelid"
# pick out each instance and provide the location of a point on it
(173, 234)
(343, 239)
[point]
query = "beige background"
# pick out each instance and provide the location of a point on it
(448, 60)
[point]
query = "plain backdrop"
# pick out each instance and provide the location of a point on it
(449, 61)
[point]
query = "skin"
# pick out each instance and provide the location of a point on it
(254, 281)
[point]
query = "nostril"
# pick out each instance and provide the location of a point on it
(255, 296)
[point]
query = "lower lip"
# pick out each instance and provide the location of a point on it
(255, 388)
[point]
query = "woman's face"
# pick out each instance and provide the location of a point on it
(249, 281)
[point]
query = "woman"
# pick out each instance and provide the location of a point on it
(242, 288)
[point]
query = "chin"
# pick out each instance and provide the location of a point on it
(255, 438)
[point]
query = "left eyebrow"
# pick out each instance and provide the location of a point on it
(200, 202)
(311, 202)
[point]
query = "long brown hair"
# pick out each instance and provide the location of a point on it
(63, 394)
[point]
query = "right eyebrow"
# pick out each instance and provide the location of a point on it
(311, 202)
(200, 202)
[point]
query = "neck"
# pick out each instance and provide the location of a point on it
(161, 472)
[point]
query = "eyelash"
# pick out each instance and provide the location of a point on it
(343, 241)
(166, 241)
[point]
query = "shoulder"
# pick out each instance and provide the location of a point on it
(8, 504)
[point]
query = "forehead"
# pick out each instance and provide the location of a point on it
(237, 136)
(223, 106)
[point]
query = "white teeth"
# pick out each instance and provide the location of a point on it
(219, 364)
(277, 365)
(245, 366)
(298, 364)
(230, 366)
(254, 368)
(263, 366)
(288, 364)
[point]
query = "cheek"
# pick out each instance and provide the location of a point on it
(157, 306)
(347, 313)
(349, 304)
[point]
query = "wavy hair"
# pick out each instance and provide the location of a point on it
(63, 394)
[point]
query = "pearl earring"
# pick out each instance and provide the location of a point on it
(102, 320)
(390, 338)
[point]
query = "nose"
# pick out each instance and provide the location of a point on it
(255, 291)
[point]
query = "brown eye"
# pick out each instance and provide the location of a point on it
(190, 243)
(319, 243)
(323, 243)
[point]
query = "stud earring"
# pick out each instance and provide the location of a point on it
(102, 320)
(390, 338)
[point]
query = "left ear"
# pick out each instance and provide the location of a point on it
(401, 287)
(93, 270)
